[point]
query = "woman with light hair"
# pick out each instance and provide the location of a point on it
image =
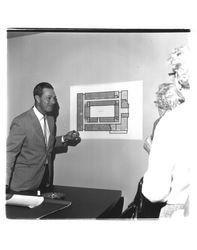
(168, 97)
(172, 155)
(164, 190)
(179, 61)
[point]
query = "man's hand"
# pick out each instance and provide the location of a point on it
(72, 138)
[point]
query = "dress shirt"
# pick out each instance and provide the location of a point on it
(40, 117)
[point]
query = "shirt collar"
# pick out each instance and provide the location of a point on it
(38, 114)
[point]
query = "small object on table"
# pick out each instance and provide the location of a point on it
(53, 195)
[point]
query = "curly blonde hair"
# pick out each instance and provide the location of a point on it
(168, 96)
(179, 61)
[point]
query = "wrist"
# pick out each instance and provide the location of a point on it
(64, 140)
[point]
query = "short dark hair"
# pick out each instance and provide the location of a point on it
(40, 86)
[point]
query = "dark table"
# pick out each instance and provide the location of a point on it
(86, 203)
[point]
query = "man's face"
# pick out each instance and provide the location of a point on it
(47, 101)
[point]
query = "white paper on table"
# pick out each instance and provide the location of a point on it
(25, 200)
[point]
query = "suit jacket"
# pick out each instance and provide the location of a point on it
(27, 152)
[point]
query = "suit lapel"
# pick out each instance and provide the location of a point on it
(36, 125)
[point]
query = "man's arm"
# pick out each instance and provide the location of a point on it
(14, 143)
(72, 138)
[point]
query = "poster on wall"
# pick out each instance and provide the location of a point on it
(107, 111)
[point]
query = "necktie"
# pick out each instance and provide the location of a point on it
(46, 136)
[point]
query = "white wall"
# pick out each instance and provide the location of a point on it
(66, 59)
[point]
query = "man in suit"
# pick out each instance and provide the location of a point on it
(31, 143)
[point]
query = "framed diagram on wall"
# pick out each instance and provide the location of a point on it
(107, 111)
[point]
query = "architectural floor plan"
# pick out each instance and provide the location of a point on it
(103, 111)
(111, 111)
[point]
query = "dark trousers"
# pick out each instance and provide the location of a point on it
(45, 183)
